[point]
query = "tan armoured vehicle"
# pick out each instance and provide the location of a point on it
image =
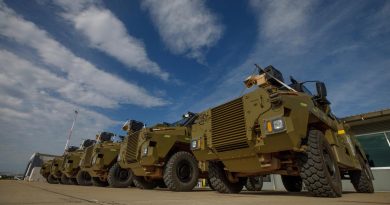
(45, 172)
(71, 165)
(280, 129)
(160, 155)
(99, 159)
(55, 169)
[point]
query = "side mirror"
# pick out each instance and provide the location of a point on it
(321, 90)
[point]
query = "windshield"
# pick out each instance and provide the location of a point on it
(116, 138)
(306, 90)
(180, 122)
(187, 118)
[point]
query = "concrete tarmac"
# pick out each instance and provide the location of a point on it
(21, 192)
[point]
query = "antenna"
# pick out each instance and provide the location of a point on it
(71, 129)
(277, 80)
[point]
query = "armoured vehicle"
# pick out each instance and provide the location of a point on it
(280, 129)
(64, 167)
(99, 159)
(160, 155)
(55, 169)
(71, 165)
(45, 172)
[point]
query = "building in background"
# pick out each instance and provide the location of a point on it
(373, 132)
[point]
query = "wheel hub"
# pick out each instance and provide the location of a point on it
(184, 171)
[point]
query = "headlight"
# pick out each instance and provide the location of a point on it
(144, 151)
(195, 144)
(278, 124)
(275, 125)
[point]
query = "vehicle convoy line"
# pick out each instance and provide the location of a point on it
(278, 128)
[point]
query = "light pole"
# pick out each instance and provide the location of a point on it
(71, 130)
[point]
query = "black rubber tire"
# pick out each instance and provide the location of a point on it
(161, 184)
(292, 183)
(73, 181)
(219, 180)
(118, 177)
(361, 180)
(51, 179)
(141, 183)
(254, 183)
(209, 184)
(181, 172)
(96, 181)
(65, 180)
(319, 170)
(83, 178)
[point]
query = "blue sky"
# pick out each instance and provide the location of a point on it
(153, 60)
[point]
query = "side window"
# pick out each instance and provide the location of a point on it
(377, 146)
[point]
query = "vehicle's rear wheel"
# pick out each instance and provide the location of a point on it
(181, 172)
(64, 180)
(292, 183)
(142, 183)
(51, 179)
(73, 181)
(319, 170)
(118, 177)
(161, 184)
(220, 181)
(361, 179)
(96, 181)
(209, 183)
(254, 183)
(83, 178)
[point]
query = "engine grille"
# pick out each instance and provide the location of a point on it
(87, 162)
(132, 144)
(228, 126)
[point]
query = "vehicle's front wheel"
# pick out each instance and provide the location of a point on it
(254, 183)
(220, 182)
(361, 179)
(96, 181)
(118, 177)
(142, 183)
(181, 172)
(83, 178)
(319, 170)
(51, 179)
(292, 183)
(64, 180)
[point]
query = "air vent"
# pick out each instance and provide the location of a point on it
(132, 144)
(228, 126)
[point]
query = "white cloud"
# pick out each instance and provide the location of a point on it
(32, 120)
(186, 26)
(284, 22)
(85, 84)
(108, 34)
